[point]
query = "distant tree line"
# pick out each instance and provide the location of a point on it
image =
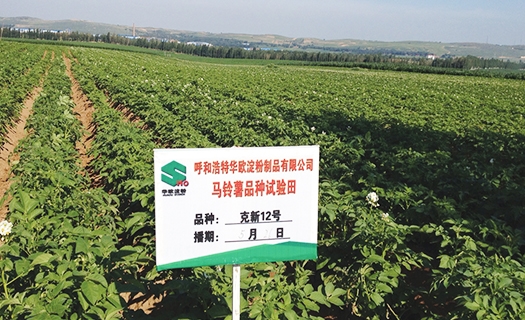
(468, 65)
(359, 50)
(471, 62)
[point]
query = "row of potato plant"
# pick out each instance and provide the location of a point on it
(159, 120)
(21, 67)
(445, 154)
(57, 261)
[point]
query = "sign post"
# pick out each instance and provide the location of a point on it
(236, 299)
(235, 205)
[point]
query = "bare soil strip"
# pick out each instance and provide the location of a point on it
(140, 301)
(76, 60)
(13, 136)
(84, 111)
(126, 112)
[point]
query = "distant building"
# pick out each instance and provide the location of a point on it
(128, 36)
(431, 56)
(26, 30)
(199, 43)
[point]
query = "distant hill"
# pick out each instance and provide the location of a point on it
(410, 48)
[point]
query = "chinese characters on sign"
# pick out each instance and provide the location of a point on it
(253, 166)
(260, 216)
(201, 236)
(173, 192)
(251, 188)
(205, 233)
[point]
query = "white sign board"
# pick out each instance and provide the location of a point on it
(235, 205)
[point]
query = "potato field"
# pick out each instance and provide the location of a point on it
(421, 191)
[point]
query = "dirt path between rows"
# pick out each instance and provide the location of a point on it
(126, 113)
(84, 111)
(13, 136)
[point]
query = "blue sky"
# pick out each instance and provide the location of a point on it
(497, 22)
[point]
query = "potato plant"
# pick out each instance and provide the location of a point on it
(21, 67)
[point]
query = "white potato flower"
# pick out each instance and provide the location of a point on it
(5, 229)
(373, 199)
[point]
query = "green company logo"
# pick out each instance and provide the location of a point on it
(174, 174)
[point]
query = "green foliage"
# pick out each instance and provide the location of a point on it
(20, 69)
(444, 155)
(55, 263)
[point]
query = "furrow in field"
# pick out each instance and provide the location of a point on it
(147, 301)
(84, 112)
(129, 115)
(13, 136)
